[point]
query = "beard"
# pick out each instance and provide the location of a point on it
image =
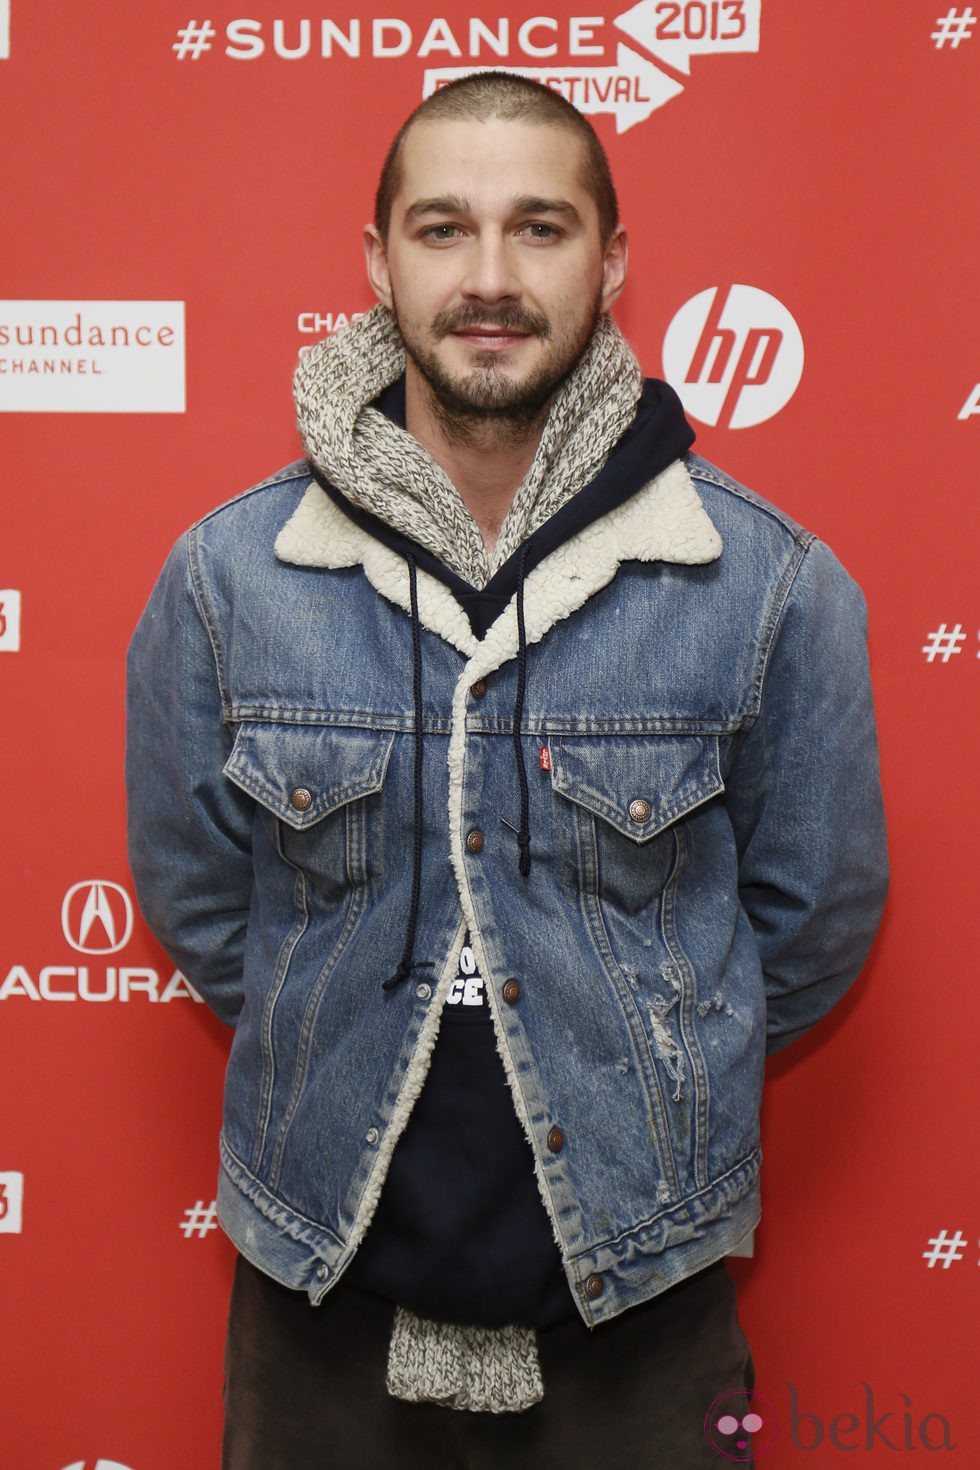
(467, 404)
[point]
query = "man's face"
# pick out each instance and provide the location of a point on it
(493, 265)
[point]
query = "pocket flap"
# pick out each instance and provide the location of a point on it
(304, 772)
(639, 784)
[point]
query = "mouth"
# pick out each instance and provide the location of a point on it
(490, 338)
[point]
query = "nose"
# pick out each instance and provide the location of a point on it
(490, 274)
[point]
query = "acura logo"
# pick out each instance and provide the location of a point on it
(97, 917)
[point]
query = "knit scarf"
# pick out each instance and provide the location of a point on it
(382, 469)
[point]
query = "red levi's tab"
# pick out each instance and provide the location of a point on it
(544, 758)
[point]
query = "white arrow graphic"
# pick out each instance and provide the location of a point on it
(698, 28)
(631, 90)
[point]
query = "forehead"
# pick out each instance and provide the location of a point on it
(491, 160)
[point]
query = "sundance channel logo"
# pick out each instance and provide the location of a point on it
(92, 357)
(585, 57)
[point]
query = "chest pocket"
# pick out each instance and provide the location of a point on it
(320, 790)
(625, 795)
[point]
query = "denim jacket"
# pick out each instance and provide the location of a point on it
(708, 861)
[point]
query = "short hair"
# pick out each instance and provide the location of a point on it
(487, 94)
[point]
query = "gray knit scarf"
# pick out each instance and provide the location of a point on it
(384, 470)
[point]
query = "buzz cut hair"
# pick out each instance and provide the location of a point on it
(500, 94)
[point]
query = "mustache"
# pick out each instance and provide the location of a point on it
(512, 318)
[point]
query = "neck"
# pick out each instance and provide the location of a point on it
(485, 460)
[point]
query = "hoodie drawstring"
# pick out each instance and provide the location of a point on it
(406, 964)
(524, 834)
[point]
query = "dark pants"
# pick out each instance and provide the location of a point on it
(305, 1388)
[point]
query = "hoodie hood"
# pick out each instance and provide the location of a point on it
(355, 444)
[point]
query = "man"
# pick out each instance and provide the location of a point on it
(506, 776)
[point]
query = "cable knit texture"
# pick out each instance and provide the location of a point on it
(386, 471)
(487, 1370)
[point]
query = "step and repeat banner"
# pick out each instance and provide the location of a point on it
(183, 196)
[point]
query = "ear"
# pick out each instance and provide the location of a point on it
(376, 258)
(614, 267)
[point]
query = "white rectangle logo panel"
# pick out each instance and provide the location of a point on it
(92, 357)
(9, 620)
(11, 1203)
(4, 29)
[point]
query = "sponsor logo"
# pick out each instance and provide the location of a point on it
(97, 1465)
(122, 983)
(4, 29)
(92, 357)
(11, 1202)
(581, 56)
(735, 356)
(97, 917)
(9, 620)
(321, 324)
(971, 408)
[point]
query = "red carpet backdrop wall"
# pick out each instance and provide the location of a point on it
(183, 192)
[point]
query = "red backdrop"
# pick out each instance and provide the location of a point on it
(182, 208)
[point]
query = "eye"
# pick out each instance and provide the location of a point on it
(441, 234)
(752, 1423)
(727, 1424)
(538, 230)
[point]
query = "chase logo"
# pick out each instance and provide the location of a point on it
(97, 917)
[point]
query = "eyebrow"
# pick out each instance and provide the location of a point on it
(523, 204)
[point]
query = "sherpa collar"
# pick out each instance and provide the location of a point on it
(665, 521)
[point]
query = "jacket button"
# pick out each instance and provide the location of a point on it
(640, 810)
(301, 799)
(479, 689)
(556, 1140)
(594, 1286)
(511, 992)
(474, 840)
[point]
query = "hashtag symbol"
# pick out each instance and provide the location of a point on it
(200, 1219)
(944, 643)
(946, 1248)
(954, 27)
(193, 40)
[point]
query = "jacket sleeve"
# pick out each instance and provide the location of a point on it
(189, 827)
(805, 801)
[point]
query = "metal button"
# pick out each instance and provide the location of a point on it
(511, 992)
(640, 810)
(301, 799)
(372, 1136)
(556, 1140)
(474, 840)
(322, 1272)
(594, 1286)
(479, 689)
(423, 991)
